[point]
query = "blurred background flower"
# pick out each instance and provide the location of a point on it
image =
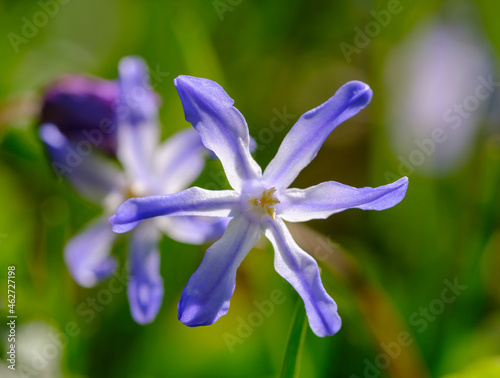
(441, 80)
(79, 118)
(39, 351)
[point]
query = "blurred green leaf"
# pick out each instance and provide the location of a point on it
(488, 368)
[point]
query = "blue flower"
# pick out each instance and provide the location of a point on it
(147, 168)
(259, 201)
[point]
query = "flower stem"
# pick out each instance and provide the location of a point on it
(293, 352)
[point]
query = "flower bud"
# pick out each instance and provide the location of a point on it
(81, 106)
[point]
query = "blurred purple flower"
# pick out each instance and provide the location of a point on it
(440, 83)
(148, 168)
(78, 105)
(260, 202)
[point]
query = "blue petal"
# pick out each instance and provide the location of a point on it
(145, 287)
(192, 201)
(221, 126)
(180, 160)
(301, 270)
(137, 119)
(325, 199)
(87, 254)
(306, 137)
(252, 146)
(208, 292)
(92, 175)
(136, 92)
(192, 230)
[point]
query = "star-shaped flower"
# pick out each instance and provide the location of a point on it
(81, 115)
(260, 201)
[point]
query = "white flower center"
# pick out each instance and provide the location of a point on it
(266, 202)
(137, 189)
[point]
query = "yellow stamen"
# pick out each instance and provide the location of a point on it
(266, 201)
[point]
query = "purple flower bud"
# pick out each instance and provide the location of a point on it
(80, 106)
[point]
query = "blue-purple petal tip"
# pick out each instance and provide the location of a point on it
(196, 315)
(360, 92)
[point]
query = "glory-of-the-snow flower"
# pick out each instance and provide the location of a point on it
(259, 201)
(122, 117)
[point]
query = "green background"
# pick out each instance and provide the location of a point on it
(267, 55)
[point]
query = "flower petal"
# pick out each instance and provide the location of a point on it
(145, 287)
(221, 126)
(192, 230)
(181, 159)
(192, 201)
(87, 254)
(93, 176)
(302, 272)
(327, 198)
(207, 293)
(137, 119)
(306, 137)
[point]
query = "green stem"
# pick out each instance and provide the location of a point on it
(293, 352)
